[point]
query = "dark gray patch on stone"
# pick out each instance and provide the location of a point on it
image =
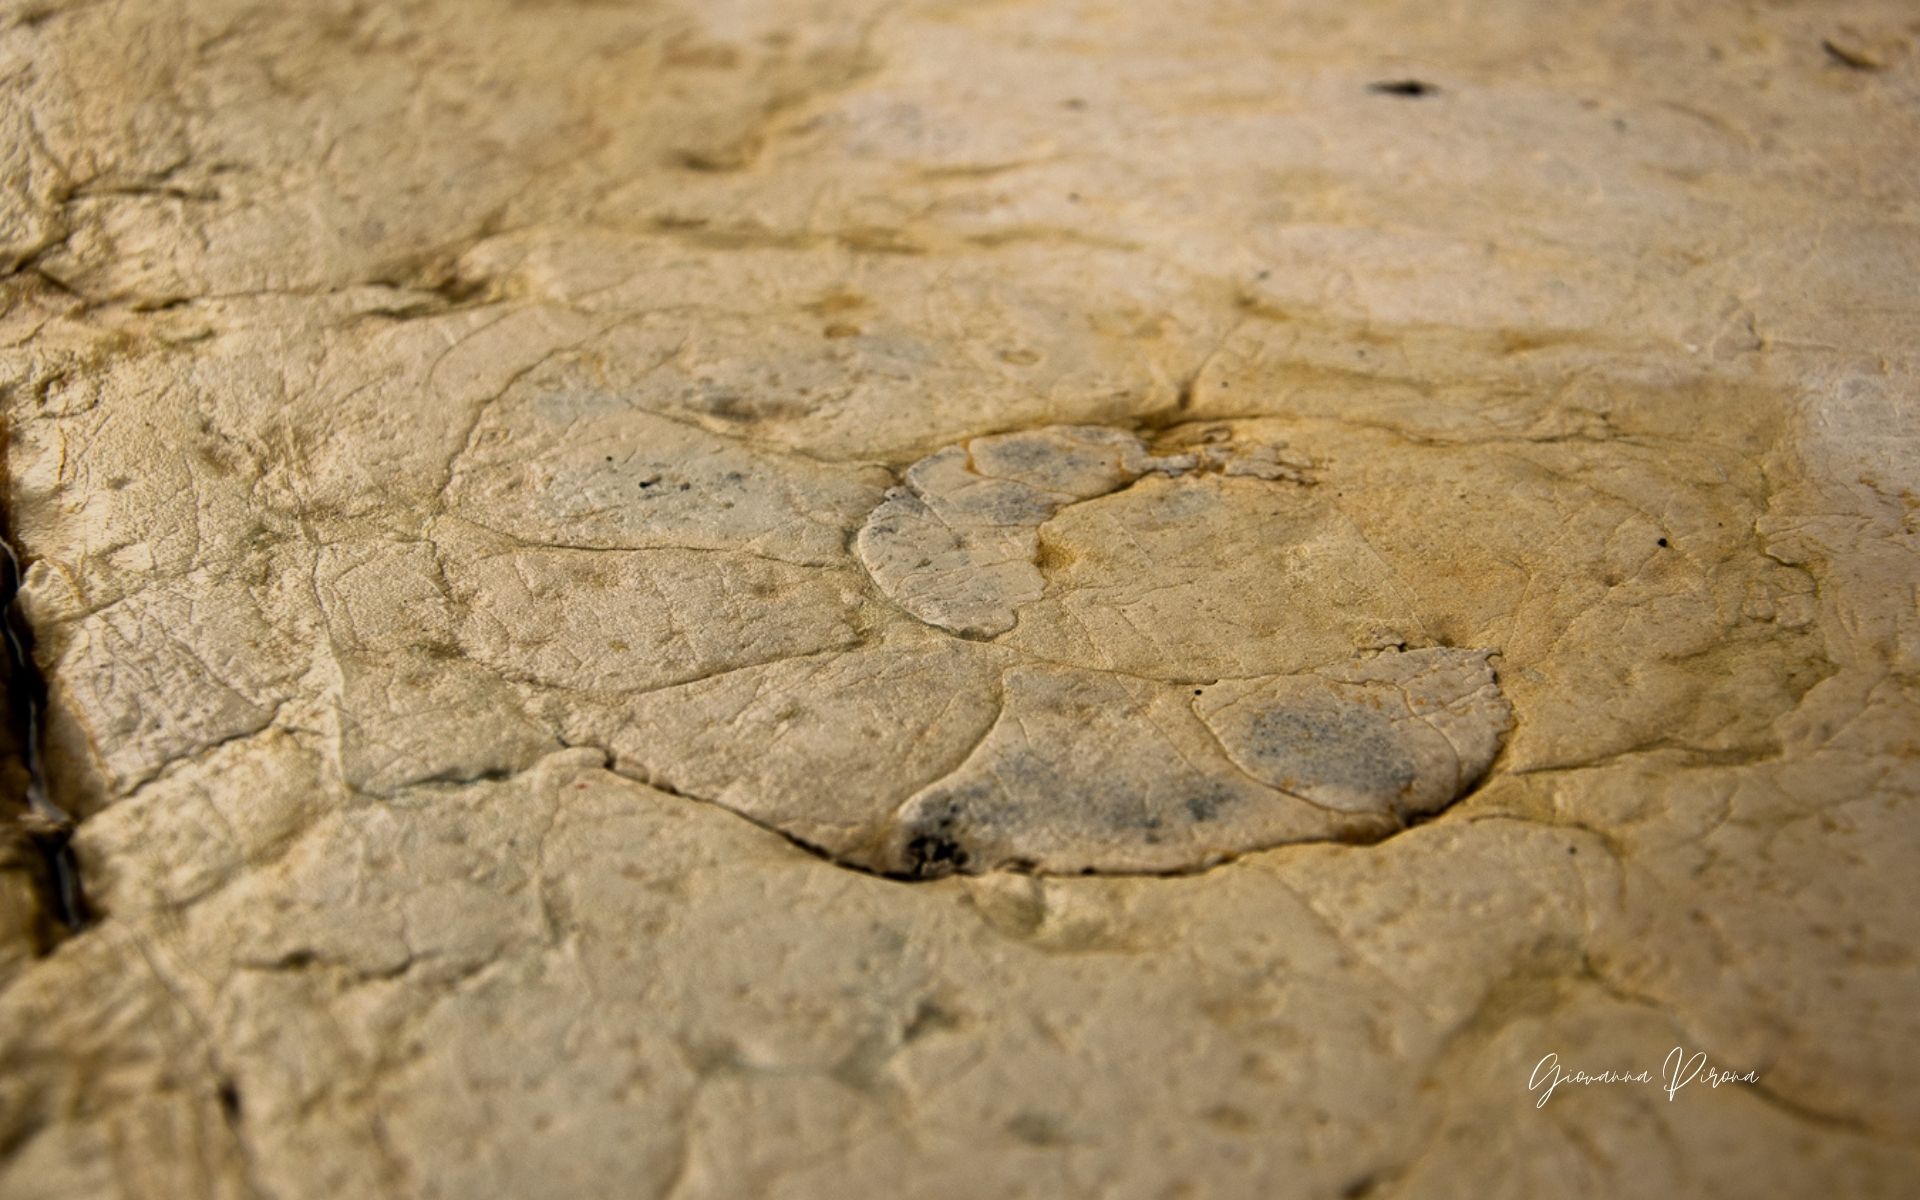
(1348, 747)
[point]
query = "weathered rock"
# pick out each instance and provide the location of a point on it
(602, 573)
(1088, 771)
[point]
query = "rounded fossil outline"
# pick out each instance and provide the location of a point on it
(1086, 770)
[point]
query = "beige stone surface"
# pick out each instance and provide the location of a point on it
(847, 598)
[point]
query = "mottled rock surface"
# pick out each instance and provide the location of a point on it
(870, 598)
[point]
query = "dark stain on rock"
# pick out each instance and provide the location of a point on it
(1206, 806)
(934, 848)
(230, 1105)
(931, 855)
(744, 410)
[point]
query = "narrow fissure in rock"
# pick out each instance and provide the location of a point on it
(47, 825)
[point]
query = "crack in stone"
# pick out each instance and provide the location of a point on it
(48, 825)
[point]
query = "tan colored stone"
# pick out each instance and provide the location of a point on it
(548, 523)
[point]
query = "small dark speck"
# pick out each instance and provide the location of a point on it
(686, 487)
(1663, 541)
(1573, 850)
(1412, 89)
(609, 458)
(1076, 103)
(230, 1099)
(1196, 691)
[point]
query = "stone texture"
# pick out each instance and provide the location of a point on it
(1051, 598)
